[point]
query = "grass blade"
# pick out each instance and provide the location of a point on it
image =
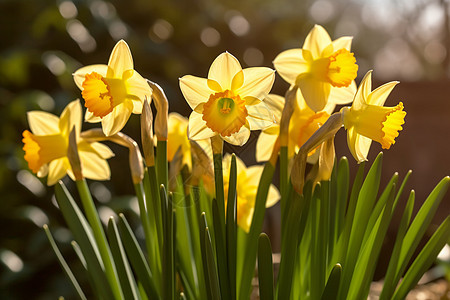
(424, 260)
(331, 289)
(83, 235)
(126, 278)
(137, 259)
(63, 263)
(265, 268)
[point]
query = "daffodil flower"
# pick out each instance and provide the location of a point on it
(368, 120)
(304, 122)
(322, 69)
(229, 103)
(112, 92)
(46, 146)
(246, 188)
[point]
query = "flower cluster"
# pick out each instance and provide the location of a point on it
(226, 105)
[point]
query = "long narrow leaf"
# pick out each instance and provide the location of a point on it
(63, 263)
(129, 286)
(331, 289)
(424, 260)
(83, 235)
(231, 227)
(265, 268)
(137, 259)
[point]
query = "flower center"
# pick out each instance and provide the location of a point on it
(342, 69)
(97, 95)
(378, 123)
(225, 113)
(40, 150)
(339, 69)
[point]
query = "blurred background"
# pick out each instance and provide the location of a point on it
(42, 42)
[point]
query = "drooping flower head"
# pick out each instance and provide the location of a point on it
(112, 92)
(304, 122)
(246, 188)
(322, 69)
(46, 146)
(229, 102)
(367, 119)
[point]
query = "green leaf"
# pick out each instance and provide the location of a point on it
(368, 257)
(203, 245)
(288, 252)
(255, 229)
(221, 254)
(100, 237)
(265, 268)
(209, 262)
(168, 253)
(137, 259)
(420, 224)
(162, 169)
(231, 227)
(364, 205)
(331, 289)
(341, 248)
(83, 235)
(63, 263)
(424, 260)
(126, 278)
(389, 283)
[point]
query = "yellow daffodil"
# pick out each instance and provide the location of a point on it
(46, 146)
(367, 119)
(304, 122)
(112, 92)
(229, 102)
(246, 188)
(322, 69)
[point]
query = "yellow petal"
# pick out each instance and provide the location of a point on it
(316, 41)
(80, 74)
(343, 95)
(344, 42)
(70, 117)
(120, 60)
(116, 120)
(102, 150)
(273, 196)
(223, 69)
(90, 118)
(237, 81)
(137, 107)
(138, 88)
(289, 64)
(363, 91)
(264, 145)
(195, 90)
(43, 123)
(214, 85)
(258, 82)
(197, 129)
(259, 116)
(57, 169)
(276, 104)
(239, 138)
(380, 94)
(93, 166)
(253, 175)
(359, 145)
(314, 91)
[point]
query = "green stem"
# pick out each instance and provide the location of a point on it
(161, 163)
(100, 237)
